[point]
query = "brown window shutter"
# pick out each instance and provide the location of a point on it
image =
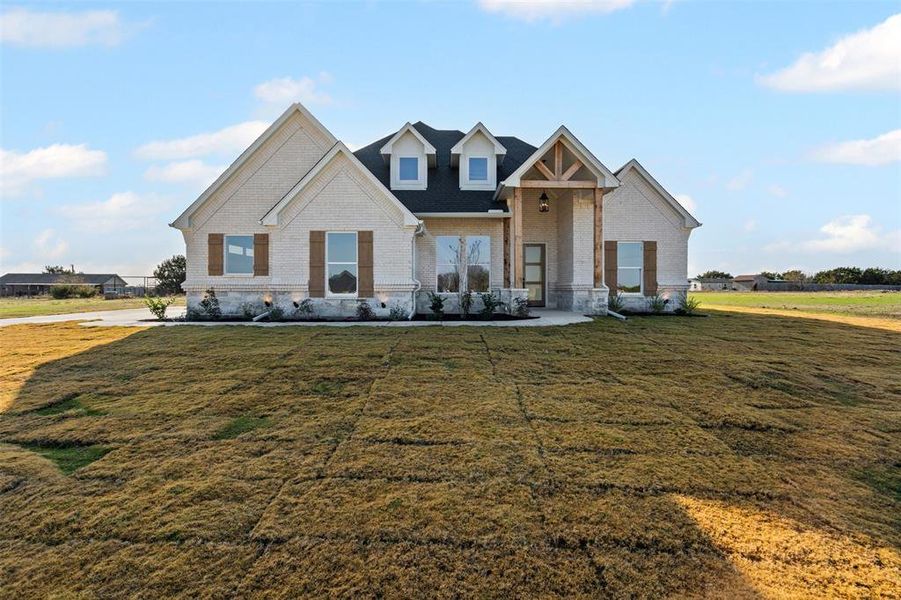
(650, 268)
(366, 286)
(317, 264)
(610, 265)
(260, 254)
(215, 253)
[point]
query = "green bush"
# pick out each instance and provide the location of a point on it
(305, 310)
(364, 311)
(158, 306)
(465, 304)
(656, 304)
(689, 305)
(62, 291)
(490, 304)
(397, 313)
(208, 308)
(436, 305)
(521, 307)
(616, 303)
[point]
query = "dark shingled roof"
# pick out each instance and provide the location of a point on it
(444, 193)
(53, 278)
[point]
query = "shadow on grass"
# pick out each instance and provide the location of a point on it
(650, 458)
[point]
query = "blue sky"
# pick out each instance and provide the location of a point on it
(778, 124)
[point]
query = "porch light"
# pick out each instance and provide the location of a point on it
(542, 203)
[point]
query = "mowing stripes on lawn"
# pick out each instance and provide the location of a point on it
(241, 425)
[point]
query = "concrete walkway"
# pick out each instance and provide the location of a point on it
(140, 317)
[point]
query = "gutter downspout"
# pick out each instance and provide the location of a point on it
(420, 230)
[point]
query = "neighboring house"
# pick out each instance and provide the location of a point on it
(709, 284)
(298, 215)
(35, 284)
(749, 283)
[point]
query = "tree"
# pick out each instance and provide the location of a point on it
(794, 275)
(59, 270)
(715, 275)
(771, 275)
(839, 275)
(170, 274)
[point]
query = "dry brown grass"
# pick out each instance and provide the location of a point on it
(736, 456)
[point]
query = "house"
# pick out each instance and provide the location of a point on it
(709, 284)
(749, 283)
(299, 215)
(34, 284)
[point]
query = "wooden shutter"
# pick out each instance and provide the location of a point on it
(366, 286)
(650, 268)
(215, 253)
(610, 265)
(317, 264)
(260, 254)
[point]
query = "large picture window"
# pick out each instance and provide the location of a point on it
(463, 263)
(341, 262)
(629, 264)
(239, 255)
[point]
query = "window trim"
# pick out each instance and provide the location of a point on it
(640, 269)
(225, 271)
(401, 180)
(464, 279)
(356, 263)
(469, 179)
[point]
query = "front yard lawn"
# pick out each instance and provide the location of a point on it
(883, 304)
(738, 456)
(45, 305)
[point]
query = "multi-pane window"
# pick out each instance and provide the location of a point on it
(408, 168)
(463, 263)
(238, 254)
(341, 262)
(629, 264)
(478, 168)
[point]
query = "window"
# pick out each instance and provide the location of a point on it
(341, 263)
(408, 168)
(478, 169)
(447, 258)
(629, 264)
(478, 263)
(468, 258)
(239, 255)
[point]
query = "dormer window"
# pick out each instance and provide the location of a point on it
(408, 168)
(477, 156)
(478, 168)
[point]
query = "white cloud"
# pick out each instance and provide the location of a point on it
(49, 245)
(37, 29)
(881, 150)
(866, 60)
(285, 90)
(192, 172)
(687, 202)
(740, 181)
(232, 139)
(18, 170)
(122, 211)
(844, 235)
(777, 190)
(552, 10)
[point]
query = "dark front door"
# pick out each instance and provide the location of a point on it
(534, 262)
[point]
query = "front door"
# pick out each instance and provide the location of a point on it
(534, 280)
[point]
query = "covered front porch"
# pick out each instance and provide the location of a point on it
(553, 238)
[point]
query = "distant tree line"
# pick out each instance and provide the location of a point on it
(868, 276)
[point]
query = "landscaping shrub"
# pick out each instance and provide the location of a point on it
(158, 306)
(689, 305)
(208, 308)
(656, 304)
(465, 304)
(398, 313)
(276, 313)
(305, 309)
(61, 292)
(436, 305)
(616, 302)
(364, 311)
(490, 304)
(521, 307)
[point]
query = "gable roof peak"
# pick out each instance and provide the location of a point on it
(408, 128)
(499, 149)
(633, 164)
